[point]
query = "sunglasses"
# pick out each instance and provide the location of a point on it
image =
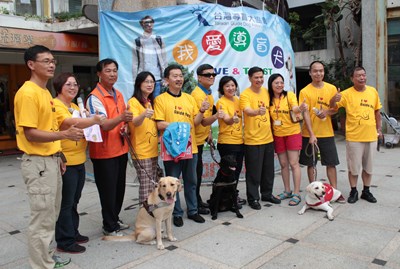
(208, 75)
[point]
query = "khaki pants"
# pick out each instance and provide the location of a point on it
(43, 181)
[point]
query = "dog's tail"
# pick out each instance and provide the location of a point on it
(124, 238)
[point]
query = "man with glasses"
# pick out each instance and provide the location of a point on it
(38, 136)
(202, 93)
(149, 54)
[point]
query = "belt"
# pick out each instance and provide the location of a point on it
(56, 155)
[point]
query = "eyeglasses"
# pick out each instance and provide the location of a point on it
(147, 22)
(71, 85)
(149, 81)
(208, 75)
(48, 61)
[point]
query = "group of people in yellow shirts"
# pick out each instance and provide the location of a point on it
(252, 127)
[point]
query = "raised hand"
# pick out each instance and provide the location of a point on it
(303, 106)
(262, 110)
(221, 113)
(73, 133)
(149, 112)
(126, 115)
(235, 118)
(205, 105)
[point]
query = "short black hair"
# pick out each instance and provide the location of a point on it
(32, 52)
(357, 68)
(203, 67)
(172, 67)
(100, 65)
(223, 81)
(315, 62)
(61, 79)
(254, 69)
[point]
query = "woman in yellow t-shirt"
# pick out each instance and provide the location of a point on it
(143, 134)
(67, 235)
(230, 135)
(287, 136)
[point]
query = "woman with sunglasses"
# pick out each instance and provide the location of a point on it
(230, 136)
(67, 235)
(143, 134)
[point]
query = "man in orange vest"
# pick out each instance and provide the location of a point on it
(109, 157)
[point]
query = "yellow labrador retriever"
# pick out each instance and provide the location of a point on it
(318, 196)
(152, 214)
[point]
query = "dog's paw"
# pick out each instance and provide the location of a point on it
(172, 239)
(330, 217)
(160, 247)
(301, 212)
(240, 216)
(153, 242)
(214, 217)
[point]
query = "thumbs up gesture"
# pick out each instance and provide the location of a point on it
(126, 115)
(303, 106)
(149, 112)
(262, 110)
(338, 96)
(235, 118)
(205, 105)
(221, 113)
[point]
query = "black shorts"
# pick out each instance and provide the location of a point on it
(327, 149)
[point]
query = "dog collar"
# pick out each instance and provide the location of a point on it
(326, 198)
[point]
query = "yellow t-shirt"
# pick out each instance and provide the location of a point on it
(143, 137)
(360, 113)
(230, 134)
(318, 98)
(279, 111)
(202, 131)
(75, 152)
(177, 109)
(257, 129)
(33, 107)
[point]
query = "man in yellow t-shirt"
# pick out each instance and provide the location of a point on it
(206, 77)
(258, 141)
(39, 138)
(363, 127)
(317, 95)
(177, 106)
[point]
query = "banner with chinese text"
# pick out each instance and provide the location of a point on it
(230, 39)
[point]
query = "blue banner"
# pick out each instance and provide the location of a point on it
(230, 39)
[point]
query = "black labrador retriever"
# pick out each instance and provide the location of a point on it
(224, 194)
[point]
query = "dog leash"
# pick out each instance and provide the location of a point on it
(212, 151)
(314, 152)
(125, 135)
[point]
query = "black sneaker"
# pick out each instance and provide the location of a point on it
(60, 262)
(197, 218)
(353, 197)
(203, 211)
(366, 195)
(255, 205)
(178, 221)
(72, 249)
(203, 204)
(271, 199)
(81, 239)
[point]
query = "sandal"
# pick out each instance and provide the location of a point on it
(284, 195)
(295, 200)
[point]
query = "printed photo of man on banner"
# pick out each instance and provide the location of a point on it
(230, 39)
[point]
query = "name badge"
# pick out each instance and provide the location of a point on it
(277, 123)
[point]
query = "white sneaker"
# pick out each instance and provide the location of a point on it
(114, 233)
(60, 262)
(122, 226)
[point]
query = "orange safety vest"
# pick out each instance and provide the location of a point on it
(113, 144)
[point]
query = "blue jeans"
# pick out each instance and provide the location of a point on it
(157, 88)
(188, 170)
(68, 220)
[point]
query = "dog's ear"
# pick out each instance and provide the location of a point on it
(309, 187)
(179, 185)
